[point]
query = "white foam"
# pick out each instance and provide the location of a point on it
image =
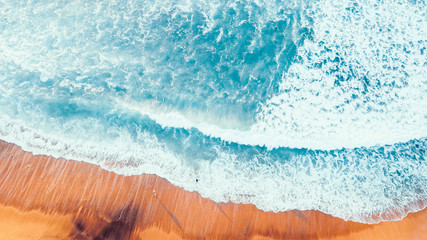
(381, 41)
(207, 122)
(355, 191)
(310, 111)
(303, 114)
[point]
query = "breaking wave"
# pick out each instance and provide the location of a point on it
(283, 104)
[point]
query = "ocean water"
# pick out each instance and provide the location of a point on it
(284, 104)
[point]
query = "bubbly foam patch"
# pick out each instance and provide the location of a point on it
(193, 89)
(216, 56)
(353, 184)
(283, 76)
(359, 82)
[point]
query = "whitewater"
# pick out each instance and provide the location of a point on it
(283, 104)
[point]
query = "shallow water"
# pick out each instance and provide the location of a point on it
(283, 104)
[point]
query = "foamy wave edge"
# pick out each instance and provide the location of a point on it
(240, 192)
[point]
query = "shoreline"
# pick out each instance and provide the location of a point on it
(78, 200)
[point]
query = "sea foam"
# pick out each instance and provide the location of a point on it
(286, 105)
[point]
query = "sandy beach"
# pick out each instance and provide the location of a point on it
(42, 197)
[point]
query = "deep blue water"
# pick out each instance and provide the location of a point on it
(284, 104)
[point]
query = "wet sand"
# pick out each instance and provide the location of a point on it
(46, 198)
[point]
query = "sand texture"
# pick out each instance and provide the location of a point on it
(43, 197)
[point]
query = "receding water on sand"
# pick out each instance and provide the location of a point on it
(287, 105)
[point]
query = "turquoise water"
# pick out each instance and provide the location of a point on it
(283, 104)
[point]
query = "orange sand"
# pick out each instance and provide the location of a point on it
(46, 198)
